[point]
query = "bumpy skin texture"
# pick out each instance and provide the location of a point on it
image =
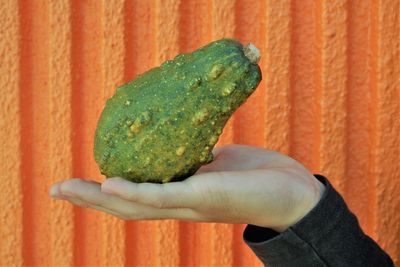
(163, 125)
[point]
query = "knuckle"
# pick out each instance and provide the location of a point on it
(159, 203)
(130, 196)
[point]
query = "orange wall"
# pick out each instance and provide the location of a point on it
(329, 98)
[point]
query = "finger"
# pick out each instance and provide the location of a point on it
(161, 196)
(83, 204)
(77, 202)
(55, 191)
(88, 192)
(140, 212)
(130, 211)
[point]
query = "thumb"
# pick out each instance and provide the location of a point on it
(162, 196)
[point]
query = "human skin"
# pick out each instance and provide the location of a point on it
(243, 184)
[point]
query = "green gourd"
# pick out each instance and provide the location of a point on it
(163, 125)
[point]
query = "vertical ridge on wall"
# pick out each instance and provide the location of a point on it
(247, 30)
(60, 160)
(26, 117)
(358, 120)
(387, 153)
(166, 246)
(221, 235)
(35, 177)
(333, 92)
(304, 130)
(318, 82)
(113, 54)
(10, 151)
(276, 67)
(139, 56)
(372, 60)
(194, 23)
(87, 92)
(76, 112)
(277, 70)
(219, 30)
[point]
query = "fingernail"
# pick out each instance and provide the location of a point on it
(107, 190)
(55, 191)
(107, 187)
(112, 185)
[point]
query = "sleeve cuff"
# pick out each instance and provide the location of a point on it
(272, 247)
(329, 235)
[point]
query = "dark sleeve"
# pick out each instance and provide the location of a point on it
(329, 235)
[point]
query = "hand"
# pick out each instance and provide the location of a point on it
(242, 185)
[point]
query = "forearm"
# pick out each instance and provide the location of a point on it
(329, 235)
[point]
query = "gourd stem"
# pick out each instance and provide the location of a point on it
(252, 53)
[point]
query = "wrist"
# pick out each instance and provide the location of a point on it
(309, 200)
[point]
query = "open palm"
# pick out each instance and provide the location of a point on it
(242, 185)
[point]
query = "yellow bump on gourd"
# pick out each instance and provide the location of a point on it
(108, 137)
(195, 83)
(146, 161)
(216, 71)
(228, 89)
(226, 108)
(205, 154)
(180, 151)
(203, 158)
(200, 116)
(142, 120)
(206, 157)
(206, 150)
(213, 139)
(135, 128)
(166, 180)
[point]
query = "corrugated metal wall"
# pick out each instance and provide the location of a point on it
(329, 98)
